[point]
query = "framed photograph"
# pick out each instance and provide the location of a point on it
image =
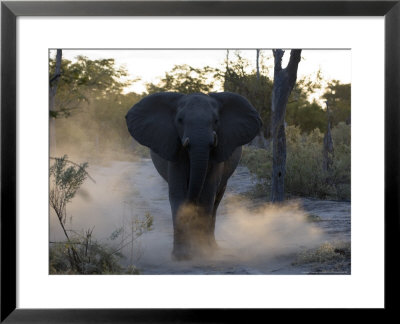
(172, 160)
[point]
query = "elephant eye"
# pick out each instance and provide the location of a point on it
(216, 122)
(180, 121)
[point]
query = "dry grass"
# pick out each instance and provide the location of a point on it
(330, 257)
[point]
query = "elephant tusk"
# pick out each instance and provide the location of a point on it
(215, 139)
(185, 143)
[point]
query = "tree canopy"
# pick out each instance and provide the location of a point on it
(185, 79)
(338, 96)
(85, 80)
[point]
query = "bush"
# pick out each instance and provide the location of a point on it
(81, 253)
(98, 130)
(305, 175)
(341, 168)
(95, 258)
(331, 257)
(259, 162)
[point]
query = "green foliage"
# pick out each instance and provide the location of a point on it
(341, 168)
(65, 179)
(341, 134)
(306, 86)
(304, 173)
(185, 79)
(300, 111)
(84, 80)
(95, 258)
(338, 96)
(258, 161)
(307, 116)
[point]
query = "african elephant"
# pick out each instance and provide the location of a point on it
(195, 143)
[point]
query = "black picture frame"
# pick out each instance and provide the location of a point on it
(11, 10)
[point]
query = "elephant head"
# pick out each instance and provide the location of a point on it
(208, 127)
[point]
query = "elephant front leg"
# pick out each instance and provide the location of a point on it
(182, 248)
(193, 231)
(210, 200)
(178, 175)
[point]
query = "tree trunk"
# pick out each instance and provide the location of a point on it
(258, 64)
(227, 61)
(52, 94)
(284, 81)
(328, 145)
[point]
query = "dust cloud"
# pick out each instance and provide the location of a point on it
(267, 231)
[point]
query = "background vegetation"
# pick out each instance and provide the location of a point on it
(91, 105)
(305, 175)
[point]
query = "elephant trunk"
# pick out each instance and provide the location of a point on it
(198, 170)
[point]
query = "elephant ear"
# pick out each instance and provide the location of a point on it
(151, 123)
(239, 123)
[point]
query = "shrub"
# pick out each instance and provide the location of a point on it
(258, 161)
(330, 257)
(94, 258)
(341, 168)
(305, 175)
(81, 253)
(328, 251)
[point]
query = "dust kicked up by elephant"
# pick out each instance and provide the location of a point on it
(195, 142)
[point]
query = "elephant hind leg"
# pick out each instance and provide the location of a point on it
(218, 199)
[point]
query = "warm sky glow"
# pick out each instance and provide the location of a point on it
(150, 65)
